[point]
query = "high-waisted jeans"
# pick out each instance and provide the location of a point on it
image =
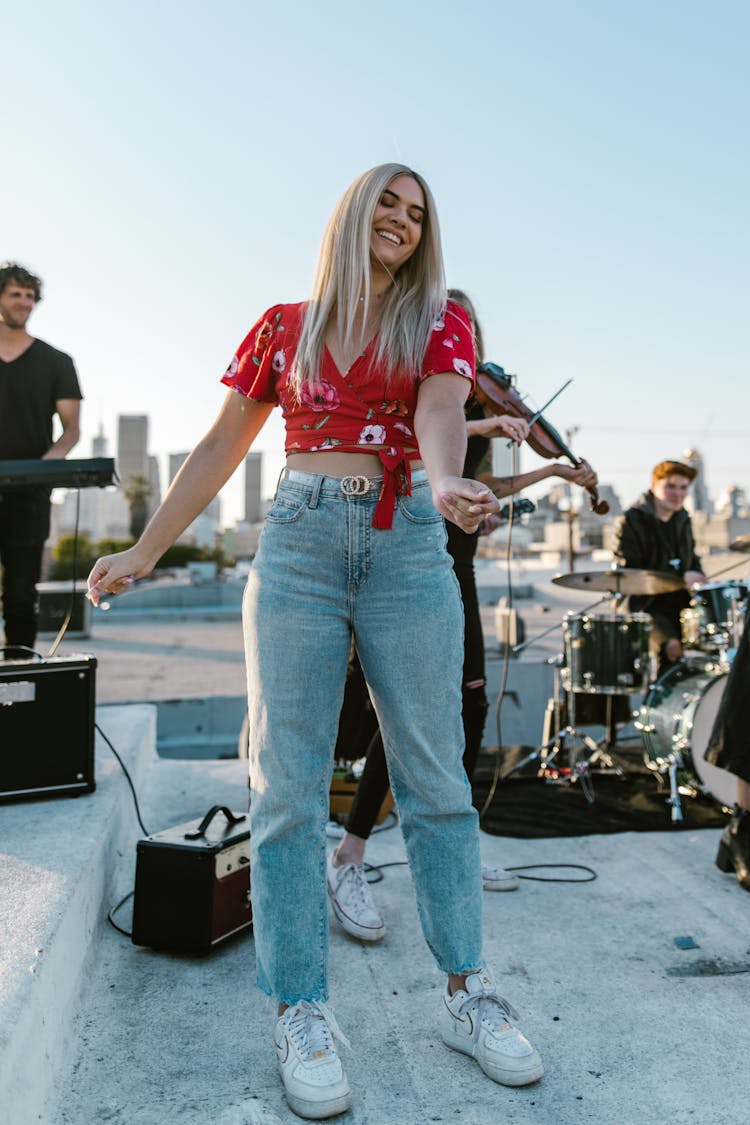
(321, 572)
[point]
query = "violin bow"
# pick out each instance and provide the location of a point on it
(539, 413)
(535, 417)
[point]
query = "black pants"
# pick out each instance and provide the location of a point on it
(22, 567)
(373, 784)
(24, 529)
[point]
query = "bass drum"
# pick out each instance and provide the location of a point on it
(677, 716)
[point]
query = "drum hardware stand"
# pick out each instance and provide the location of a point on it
(569, 738)
(553, 747)
(673, 801)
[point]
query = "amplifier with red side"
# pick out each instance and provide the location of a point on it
(192, 883)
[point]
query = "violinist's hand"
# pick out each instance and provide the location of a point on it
(584, 475)
(112, 574)
(464, 502)
(500, 425)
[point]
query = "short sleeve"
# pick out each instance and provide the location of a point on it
(66, 379)
(451, 345)
(256, 364)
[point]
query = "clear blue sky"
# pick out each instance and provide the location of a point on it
(168, 170)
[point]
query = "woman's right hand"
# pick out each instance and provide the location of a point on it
(112, 574)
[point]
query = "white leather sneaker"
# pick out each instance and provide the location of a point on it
(352, 901)
(477, 1021)
(311, 1070)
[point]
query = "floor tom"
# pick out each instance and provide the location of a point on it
(715, 617)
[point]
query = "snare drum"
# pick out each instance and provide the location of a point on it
(677, 717)
(606, 654)
(716, 616)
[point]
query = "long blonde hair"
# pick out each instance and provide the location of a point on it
(411, 305)
(467, 304)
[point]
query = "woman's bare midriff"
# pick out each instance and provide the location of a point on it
(335, 464)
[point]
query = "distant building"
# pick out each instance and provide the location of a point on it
(732, 503)
(698, 498)
(203, 531)
(132, 447)
(502, 458)
(102, 514)
(99, 445)
(253, 472)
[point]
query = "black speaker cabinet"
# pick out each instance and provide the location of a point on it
(192, 883)
(47, 727)
(56, 599)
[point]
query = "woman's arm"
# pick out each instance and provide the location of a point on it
(206, 470)
(440, 427)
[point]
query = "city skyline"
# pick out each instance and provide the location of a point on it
(587, 161)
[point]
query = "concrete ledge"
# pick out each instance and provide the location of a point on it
(58, 859)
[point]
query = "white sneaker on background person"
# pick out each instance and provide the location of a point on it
(352, 901)
(479, 1023)
(311, 1070)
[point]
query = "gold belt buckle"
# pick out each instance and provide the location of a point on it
(355, 486)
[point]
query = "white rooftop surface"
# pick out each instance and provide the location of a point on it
(632, 1028)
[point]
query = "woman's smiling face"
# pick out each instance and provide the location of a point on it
(397, 223)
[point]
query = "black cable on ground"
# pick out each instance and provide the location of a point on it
(546, 866)
(113, 911)
(129, 780)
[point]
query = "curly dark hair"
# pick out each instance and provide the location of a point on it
(12, 272)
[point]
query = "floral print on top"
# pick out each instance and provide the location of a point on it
(349, 412)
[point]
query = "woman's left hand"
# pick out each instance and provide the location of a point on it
(464, 502)
(500, 425)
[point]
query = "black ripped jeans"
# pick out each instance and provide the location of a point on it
(358, 715)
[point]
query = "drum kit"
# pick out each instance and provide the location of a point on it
(606, 655)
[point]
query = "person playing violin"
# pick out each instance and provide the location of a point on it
(351, 898)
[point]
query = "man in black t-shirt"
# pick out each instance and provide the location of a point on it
(36, 382)
(656, 534)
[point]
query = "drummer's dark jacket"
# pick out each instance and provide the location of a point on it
(644, 541)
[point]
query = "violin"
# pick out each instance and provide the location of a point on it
(496, 392)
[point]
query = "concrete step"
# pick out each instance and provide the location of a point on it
(59, 858)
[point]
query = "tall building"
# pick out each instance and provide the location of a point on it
(99, 444)
(699, 499)
(132, 447)
(502, 457)
(253, 472)
(154, 480)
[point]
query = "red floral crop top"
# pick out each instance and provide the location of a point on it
(350, 412)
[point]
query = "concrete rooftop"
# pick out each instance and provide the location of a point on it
(632, 1027)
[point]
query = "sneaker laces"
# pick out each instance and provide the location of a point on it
(494, 1011)
(357, 888)
(312, 1027)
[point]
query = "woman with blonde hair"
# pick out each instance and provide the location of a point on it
(371, 375)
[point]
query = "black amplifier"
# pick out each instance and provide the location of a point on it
(47, 727)
(192, 884)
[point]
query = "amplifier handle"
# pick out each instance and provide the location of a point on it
(201, 829)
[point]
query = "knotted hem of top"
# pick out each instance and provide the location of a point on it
(396, 482)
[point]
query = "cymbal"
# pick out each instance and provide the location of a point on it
(741, 544)
(625, 581)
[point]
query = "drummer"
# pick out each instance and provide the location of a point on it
(656, 534)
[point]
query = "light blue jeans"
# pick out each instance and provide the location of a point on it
(322, 572)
